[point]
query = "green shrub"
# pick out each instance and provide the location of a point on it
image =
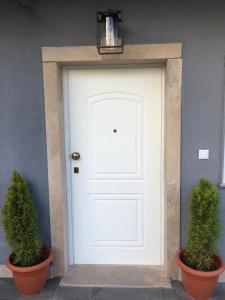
(20, 223)
(204, 227)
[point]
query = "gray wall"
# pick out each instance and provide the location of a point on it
(199, 25)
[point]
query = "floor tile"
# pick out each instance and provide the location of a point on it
(170, 294)
(73, 293)
(219, 293)
(53, 292)
(125, 294)
(9, 291)
(179, 291)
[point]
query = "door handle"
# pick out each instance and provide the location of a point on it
(75, 155)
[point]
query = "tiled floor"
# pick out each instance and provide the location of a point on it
(55, 292)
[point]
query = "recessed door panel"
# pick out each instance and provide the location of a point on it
(116, 125)
(107, 115)
(116, 220)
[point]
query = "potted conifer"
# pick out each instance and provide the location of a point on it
(29, 260)
(200, 266)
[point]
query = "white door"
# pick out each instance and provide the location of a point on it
(115, 124)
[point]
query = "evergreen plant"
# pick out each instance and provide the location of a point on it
(20, 224)
(204, 227)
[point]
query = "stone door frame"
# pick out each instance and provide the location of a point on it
(54, 59)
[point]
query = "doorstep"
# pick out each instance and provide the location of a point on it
(115, 276)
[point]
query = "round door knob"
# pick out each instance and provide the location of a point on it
(75, 156)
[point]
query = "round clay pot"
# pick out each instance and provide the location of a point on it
(198, 284)
(31, 280)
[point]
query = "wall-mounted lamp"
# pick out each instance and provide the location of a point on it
(109, 39)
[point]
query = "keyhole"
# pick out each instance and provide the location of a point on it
(114, 130)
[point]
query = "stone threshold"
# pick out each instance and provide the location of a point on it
(115, 276)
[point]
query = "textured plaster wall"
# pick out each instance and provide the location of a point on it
(199, 25)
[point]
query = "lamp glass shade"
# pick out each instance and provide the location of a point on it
(109, 32)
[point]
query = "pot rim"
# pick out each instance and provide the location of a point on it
(39, 266)
(206, 274)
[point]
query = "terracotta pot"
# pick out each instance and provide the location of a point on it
(198, 284)
(31, 280)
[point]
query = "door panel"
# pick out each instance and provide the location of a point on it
(116, 220)
(123, 159)
(115, 121)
